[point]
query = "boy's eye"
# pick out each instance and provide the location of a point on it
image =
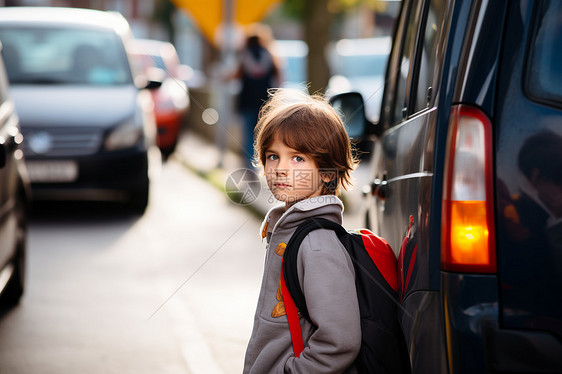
(298, 159)
(271, 157)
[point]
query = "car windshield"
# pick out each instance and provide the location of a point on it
(35, 55)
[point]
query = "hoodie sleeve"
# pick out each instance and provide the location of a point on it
(328, 281)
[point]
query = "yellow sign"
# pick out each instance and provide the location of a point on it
(209, 13)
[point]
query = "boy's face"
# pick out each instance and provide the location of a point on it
(291, 175)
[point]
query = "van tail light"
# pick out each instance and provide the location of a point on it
(467, 226)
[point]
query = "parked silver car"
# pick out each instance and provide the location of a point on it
(88, 126)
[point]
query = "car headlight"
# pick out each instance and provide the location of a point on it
(125, 135)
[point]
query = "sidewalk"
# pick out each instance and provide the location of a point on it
(201, 156)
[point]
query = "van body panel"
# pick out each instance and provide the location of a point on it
(420, 318)
(470, 303)
(528, 194)
(490, 55)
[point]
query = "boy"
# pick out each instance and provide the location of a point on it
(306, 154)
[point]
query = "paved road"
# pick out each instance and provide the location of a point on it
(173, 291)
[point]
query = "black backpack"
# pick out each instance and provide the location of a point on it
(383, 347)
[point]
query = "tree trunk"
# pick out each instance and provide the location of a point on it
(317, 22)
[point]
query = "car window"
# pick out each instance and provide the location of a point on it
(544, 68)
(61, 55)
(428, 61)
(405, 67)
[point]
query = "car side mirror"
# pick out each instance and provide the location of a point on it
(351, 108)
(143, 82)
(152, 85)
(151, 79)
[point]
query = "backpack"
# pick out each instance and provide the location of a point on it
(383, 347)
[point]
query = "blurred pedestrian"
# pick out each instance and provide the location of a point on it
(258, 71)
(306, 155)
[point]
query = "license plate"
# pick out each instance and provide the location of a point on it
(52, 171)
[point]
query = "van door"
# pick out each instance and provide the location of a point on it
(529, 170)
(403, 170)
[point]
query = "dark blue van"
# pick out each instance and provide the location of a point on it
(467, 182)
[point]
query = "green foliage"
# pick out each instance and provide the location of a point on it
(297, 8)
(162, 14)
(163, 9)
(294, 8)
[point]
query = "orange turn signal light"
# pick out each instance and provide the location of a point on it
(467, 231)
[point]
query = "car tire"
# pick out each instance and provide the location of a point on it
(15, 286)
(139, 198)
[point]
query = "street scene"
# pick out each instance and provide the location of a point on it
(172, 291)
(320, 186)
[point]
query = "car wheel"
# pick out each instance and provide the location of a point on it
(15, 286)
(139, 198)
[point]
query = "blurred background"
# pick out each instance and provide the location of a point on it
(317, 57)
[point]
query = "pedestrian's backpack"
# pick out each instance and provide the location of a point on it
(383, 348)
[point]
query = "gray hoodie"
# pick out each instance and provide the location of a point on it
(327, 279)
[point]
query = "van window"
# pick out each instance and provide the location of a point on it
(428, 60)
(544, 68)
(405, 67)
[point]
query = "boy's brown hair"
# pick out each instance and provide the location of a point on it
(310, 125)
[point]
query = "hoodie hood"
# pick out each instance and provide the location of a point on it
(324, 206)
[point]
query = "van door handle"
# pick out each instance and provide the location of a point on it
(378, 188)
(428, 96)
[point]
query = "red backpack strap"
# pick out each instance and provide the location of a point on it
(292, 317)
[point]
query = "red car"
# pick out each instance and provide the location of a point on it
(159, 61)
